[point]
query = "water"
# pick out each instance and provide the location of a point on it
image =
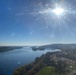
(11, 60)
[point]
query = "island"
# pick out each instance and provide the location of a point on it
(37, 48)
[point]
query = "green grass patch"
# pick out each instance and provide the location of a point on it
(47, 71)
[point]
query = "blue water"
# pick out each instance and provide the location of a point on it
(11, 60)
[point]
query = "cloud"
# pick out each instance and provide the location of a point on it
(52, 36)
(9, 8)
(19, 14)
(31, 32)
(12, 34)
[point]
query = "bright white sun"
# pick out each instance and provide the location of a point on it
(58, 11)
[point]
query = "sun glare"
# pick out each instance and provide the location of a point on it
(58, 11)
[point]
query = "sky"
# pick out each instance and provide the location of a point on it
(36, 22)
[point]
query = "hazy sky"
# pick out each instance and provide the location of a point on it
(31, 22)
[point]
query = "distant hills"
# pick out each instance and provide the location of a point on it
(8, 48)
(56, 46)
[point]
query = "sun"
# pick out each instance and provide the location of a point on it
(58, 11)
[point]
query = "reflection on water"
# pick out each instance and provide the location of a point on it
(11, 60)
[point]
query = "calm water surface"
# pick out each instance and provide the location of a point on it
(11, 60)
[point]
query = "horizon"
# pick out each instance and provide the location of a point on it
(41, 45)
